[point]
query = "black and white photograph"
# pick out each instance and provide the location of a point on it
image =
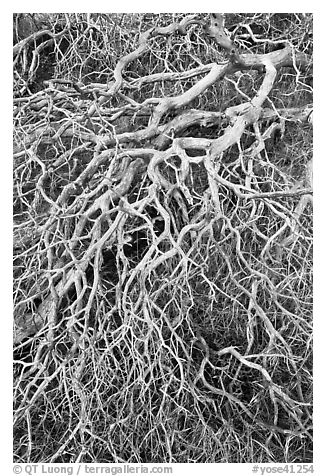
(163, 239)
